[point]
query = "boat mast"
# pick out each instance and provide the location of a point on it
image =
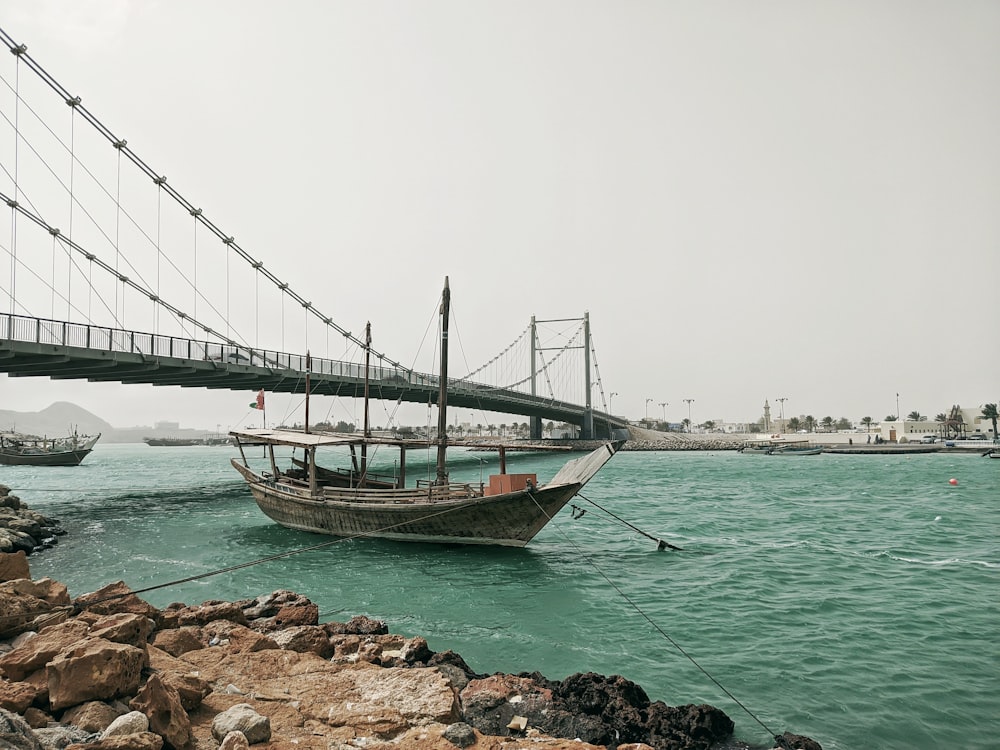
(442, 473)
(308, 368)
(367, 426)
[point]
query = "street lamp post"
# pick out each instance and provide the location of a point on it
(782, 401)
(648, 400)
(664, 405)
(611, 396)
(899, 417)
(689, 401)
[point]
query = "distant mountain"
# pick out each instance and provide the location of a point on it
(59, 419)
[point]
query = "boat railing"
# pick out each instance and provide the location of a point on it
(428, 493)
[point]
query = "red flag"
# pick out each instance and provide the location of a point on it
(259, 404)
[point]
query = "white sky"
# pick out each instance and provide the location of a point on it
(753, 200)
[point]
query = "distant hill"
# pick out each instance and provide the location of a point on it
(61, 418)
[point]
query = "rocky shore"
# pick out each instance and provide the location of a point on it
(109, 671)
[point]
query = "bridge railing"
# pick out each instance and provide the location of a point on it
(87, 336)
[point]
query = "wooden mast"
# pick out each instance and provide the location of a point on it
(442, 471)
(308, 368)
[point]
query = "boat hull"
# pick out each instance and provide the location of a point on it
(62, 458)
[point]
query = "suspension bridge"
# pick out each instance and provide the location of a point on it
(114, 275)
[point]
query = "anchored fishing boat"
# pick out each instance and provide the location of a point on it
(31, 450)
(508, 510)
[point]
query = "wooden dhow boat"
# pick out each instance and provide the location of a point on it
(508, 510)
(31, 450)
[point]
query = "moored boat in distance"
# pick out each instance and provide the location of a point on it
(781, 447)
(798, 450)
(174, 442)
(508, 510)
(31, 450)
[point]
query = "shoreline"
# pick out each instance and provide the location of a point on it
(108, 671)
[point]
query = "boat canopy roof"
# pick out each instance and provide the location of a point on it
(300, 439)
(294, 438)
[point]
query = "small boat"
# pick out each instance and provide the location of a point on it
(795, 450)
(508, 510)
(781, 448)
(173, 442)
(31, 450)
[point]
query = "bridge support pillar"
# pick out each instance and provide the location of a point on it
(536, 428)
(587, 428)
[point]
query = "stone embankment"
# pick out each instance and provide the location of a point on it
(24, 529)
(651, 440)
(108, 671)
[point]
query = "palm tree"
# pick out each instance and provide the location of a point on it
(942, 417)
(990, 413)
(828, 423)
(810, 422)
(687, 424)
(794, 424)
(890, 418)
(916, 416)
(867, 422)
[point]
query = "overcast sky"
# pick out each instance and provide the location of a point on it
(752, 200)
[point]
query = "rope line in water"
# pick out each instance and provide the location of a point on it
(650, 620)
(660, 544)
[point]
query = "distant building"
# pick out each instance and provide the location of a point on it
(167, 426)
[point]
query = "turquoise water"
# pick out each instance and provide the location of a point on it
(853, 599)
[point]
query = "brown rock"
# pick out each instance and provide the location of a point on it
(36, 718)
(123, 627)
(46, 589)
(177, 641)
(144, 741)
(18, 607)
(92, 716)
(359, 700)
(202, 614)
(94, 669)
(234, 741)
(190, 687)
(36, 652)
(14, 565)
(304, 638)
(235, 638)
(116, 597)
(161, 704)
(17, 696)
(39, 681)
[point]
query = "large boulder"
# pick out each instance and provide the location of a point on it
(34, 653)
(14, 565)
(94, 669)
(161, 703)
(116, 597)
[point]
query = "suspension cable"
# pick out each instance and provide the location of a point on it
(21, 52)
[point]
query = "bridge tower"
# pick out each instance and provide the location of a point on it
(587, 427)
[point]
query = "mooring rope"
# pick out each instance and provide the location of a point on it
(660, 544)
(666, 636)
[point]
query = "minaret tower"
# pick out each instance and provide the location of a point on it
(767, 416)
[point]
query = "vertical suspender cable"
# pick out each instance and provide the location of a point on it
(18, 51)
(72, 168)
(118, 213)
